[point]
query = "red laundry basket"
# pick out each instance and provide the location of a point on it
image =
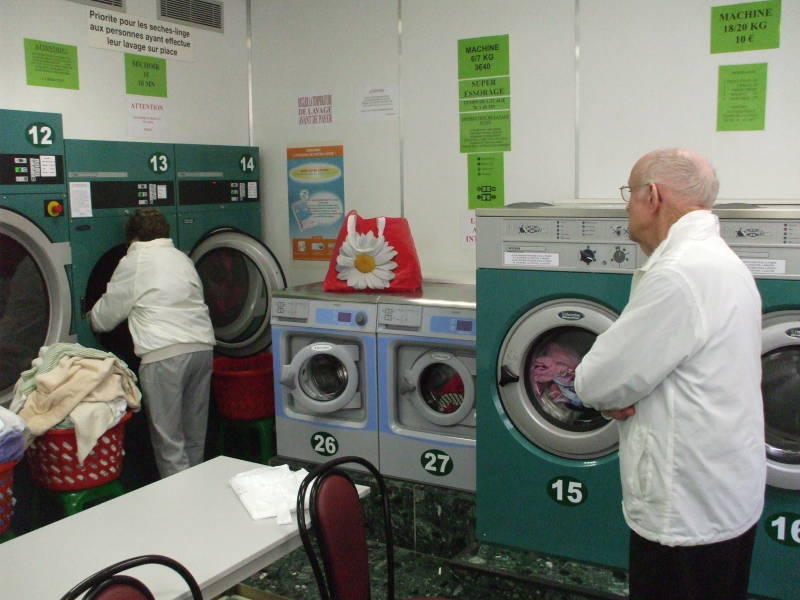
(6, 495)
(243, 386)
(53, 458)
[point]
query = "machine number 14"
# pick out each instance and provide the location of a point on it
(567, 491)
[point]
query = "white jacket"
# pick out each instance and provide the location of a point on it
(156, 287)
(687, 352)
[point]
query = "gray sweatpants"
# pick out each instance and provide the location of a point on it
(176, 393)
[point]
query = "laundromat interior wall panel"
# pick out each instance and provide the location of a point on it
(649, 80)
(540, 164)
(207, 98)
(311, 48)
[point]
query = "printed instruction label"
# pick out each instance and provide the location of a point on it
(530, 259)
(763, 266)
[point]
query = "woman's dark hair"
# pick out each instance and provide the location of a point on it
(146, 224)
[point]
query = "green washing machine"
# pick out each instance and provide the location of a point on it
(549, 280)
(219, 226)
(107, 182)
(35, 258)
(768, 241)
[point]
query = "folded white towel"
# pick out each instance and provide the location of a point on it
(269, 491)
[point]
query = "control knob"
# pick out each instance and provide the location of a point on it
(361, 319)
(588, 256)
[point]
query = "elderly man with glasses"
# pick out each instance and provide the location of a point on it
(680, 370)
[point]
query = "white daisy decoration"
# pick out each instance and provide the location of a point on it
(365, 261)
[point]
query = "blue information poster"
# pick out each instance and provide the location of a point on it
(316, 200)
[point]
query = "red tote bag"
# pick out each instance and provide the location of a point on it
(373, 255)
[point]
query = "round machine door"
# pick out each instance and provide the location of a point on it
(780, 387)
(323, 377)
(535, 375)
(442, 388)
(35, 303)
(239, 276)
(118, 341)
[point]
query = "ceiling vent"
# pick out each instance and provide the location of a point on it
(112, 4)
(206, 14)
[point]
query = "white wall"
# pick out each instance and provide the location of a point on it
(207, 97)
(309, 47)
(540, 165)
(648, 80)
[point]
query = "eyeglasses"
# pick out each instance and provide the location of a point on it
(625, 190)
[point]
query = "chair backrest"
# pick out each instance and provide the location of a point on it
(338, 521)
(106, 584)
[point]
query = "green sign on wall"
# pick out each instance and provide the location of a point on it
(749, 26)
(485, 180)
(145, 75)
(49, 64)
(742, 97)
(486, 131)
(483, 56)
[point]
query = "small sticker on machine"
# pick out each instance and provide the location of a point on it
(530, 259)
(759, 266)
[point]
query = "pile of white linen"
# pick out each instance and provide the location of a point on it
(269, 491)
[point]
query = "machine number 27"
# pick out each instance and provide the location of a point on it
(324, 443)
(436, 462)
(567, 491)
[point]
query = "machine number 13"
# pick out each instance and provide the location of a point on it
(567, 491)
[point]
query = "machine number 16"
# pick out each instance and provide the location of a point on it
(784, 528)
(567, 491)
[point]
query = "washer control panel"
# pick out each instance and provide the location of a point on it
(427, 321)
(347, 316)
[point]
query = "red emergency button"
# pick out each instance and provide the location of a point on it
(54, 208)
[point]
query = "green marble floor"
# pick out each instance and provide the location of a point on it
(416, 575)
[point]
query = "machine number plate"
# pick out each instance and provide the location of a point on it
(436, 462)
(324, 444)
(784, 528)
(567, 491)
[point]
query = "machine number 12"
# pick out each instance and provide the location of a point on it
(39, 134)
(567, 491)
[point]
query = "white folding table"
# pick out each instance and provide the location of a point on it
(193, 517)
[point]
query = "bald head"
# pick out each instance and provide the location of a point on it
(689, 181)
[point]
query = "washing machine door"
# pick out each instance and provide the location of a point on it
(535, 373)
(239, 276)
(780, 387)
(442, 387)
(324, 377)
(35, 304)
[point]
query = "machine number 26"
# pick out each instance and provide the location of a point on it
(567, 491)
(324, 443)
(436, 462)
(784, 528)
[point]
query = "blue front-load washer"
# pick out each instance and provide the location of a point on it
(323, 350)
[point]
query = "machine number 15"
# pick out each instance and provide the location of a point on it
(567, 491)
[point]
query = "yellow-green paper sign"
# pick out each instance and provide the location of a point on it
(742, 97)
(49, 64)
(145, 75)
(750, 26)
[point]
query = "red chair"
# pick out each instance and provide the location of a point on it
(107, 584)
(338, 521)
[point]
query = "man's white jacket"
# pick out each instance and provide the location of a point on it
(156, 287)
(686, 351)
